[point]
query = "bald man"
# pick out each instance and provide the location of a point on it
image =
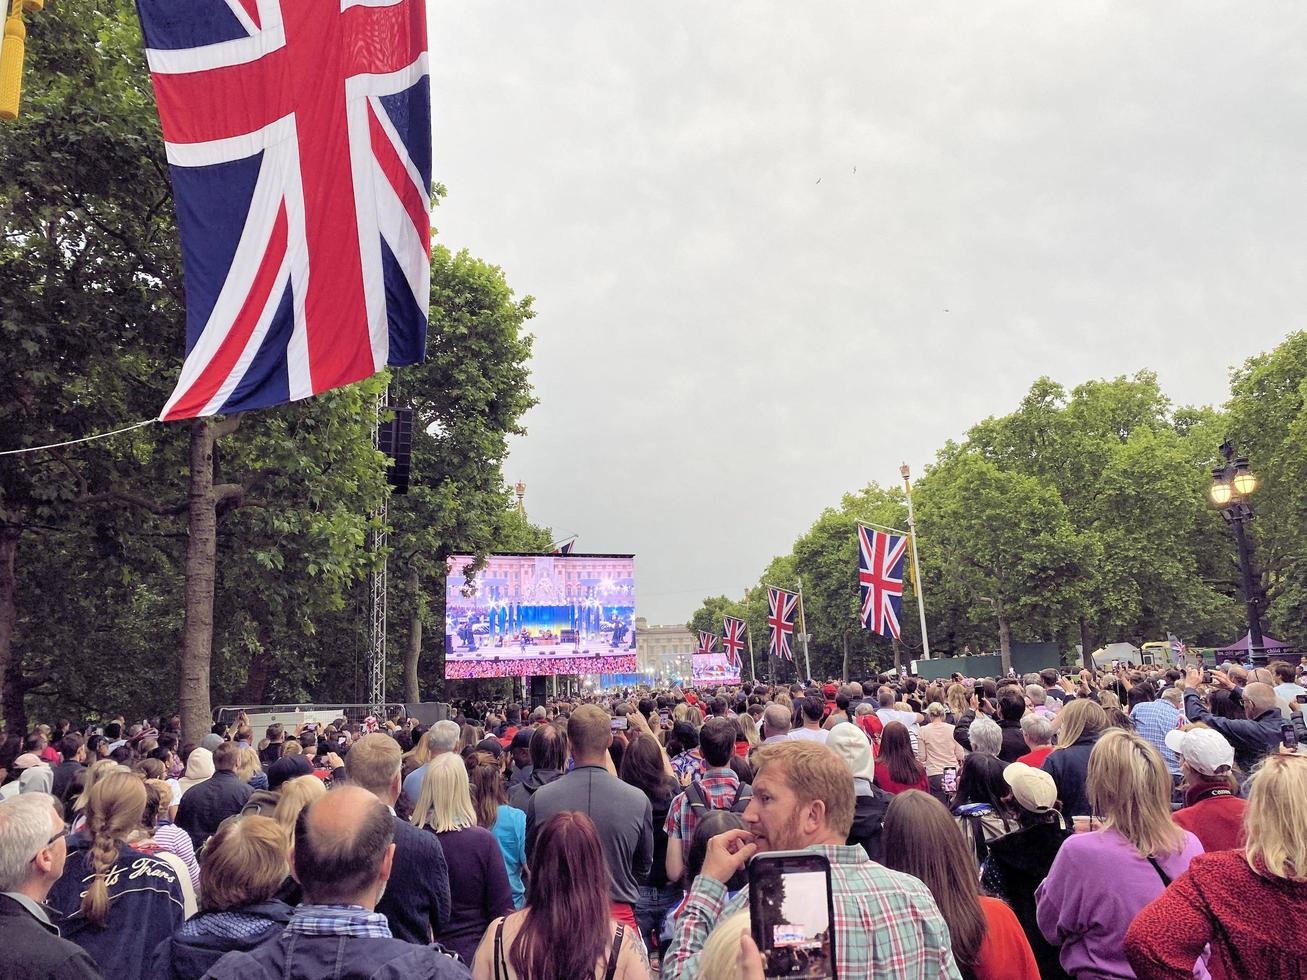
(775, 723)
(342, 857)
(1253, 737)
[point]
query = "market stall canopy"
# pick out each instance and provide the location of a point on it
(1268, 643)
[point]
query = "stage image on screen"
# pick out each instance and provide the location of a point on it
(708, 669)
(540, 614)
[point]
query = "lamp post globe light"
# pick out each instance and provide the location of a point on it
(1232, 485)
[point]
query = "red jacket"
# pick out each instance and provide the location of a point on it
(1214, 815)
(1253, 924)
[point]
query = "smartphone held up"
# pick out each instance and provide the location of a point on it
(791, 914)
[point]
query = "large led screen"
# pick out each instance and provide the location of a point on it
(540, 614)
(708, 669)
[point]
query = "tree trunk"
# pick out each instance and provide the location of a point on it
(1086, 659)
(898, 656)
(15, 687)
(844, 674)
(9, 534)
(201, 560)
(414, 649)
(1004, 643)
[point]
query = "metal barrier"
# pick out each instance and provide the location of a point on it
(260, 716)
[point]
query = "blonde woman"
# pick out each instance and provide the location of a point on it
(296, 794)
(1077, 727)
(98, 770)
(421, 753)
(958, 701)
(250, 769)
(444, 807)
(158, 829)
(750, 729)
(245, 863)
(145, 840)
(1250, 905)
(116, 902)
(1100, 880)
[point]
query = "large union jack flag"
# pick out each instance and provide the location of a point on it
(707, 641)
(782, 608)
(734, 640)
(298, 133)
(880, 579)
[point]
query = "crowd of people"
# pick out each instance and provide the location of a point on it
(1132, 822)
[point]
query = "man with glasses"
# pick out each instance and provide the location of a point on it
(33, 846)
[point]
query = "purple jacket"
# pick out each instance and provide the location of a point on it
(1097, 885)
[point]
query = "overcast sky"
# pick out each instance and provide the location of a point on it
(735, 327)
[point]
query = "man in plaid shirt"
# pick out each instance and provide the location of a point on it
(718, 784)
(887, 925)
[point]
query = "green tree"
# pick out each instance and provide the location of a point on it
(468, 397)
(1005, 540)
(1267, 422)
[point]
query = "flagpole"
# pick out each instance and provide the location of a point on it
(916, 565)
(803, 625)
(748, 635)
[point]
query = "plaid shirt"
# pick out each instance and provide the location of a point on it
(887, 925)
(689, 762)
(720, 786)
(1153, 719)
(353, 921)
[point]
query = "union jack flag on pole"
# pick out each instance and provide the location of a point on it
(707, 641)
(880, 579)
(733, 642)
(298, 133)
(782, 607)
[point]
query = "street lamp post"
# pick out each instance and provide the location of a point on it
(1232, 485)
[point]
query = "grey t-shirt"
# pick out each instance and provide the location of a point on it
(621, 813)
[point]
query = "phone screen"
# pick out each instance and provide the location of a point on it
(619, 724)
(1301, 698)
(950, 780)
(792, 914)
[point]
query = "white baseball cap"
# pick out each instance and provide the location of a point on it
(1032, 788)
(1205, 749)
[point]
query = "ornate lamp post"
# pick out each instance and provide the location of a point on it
(1232, 485)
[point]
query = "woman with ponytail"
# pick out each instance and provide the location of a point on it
(115, 902)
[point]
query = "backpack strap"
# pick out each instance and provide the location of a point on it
(616, 952)
(500, 966)
(742, 797)
(695, 796)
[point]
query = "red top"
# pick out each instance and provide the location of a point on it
(1005, 954)
(1036, 758)
(1214, 815)
(884, 781)
(1253, 923)
(871, 726)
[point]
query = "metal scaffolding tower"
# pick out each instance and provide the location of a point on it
(380, 535)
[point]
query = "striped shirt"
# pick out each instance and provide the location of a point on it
(887, 925)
